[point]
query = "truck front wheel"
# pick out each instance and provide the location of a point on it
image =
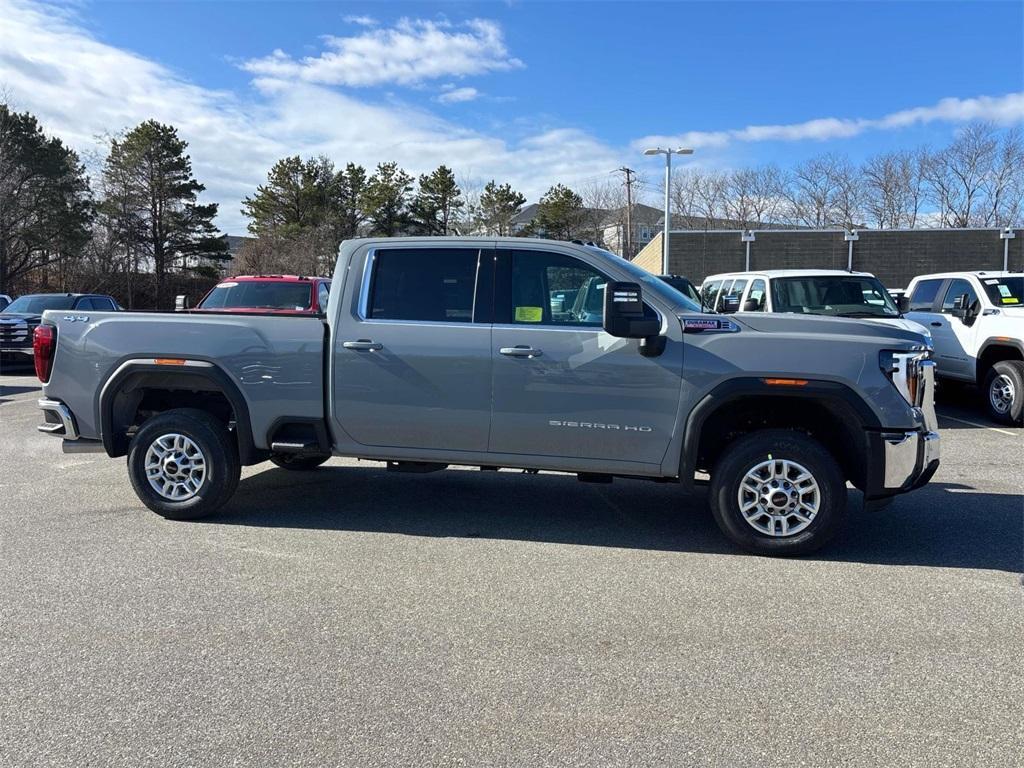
(183, 464)
(777, 492)
(1004, 391)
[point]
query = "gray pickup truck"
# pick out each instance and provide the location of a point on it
(442, 351)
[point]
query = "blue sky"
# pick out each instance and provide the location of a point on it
(531, 92)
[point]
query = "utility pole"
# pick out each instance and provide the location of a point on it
(627, 249)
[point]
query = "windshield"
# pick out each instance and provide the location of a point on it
(259, 294)
(652, 283)
(836, 295)
(1005, 291)
(36, 305)
(682, 285)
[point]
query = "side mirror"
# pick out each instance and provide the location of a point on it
(180, 302)
(729, 304)
(903, 304)
(751, 305)
(960, 307)
(624, 312)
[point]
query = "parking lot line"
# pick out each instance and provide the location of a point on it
(979, 426)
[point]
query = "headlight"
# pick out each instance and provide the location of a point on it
(903, 369)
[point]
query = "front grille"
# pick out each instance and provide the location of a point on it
(16, 334)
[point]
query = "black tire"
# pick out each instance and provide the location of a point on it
(221, 464)
(298, 463)
(1008, 376)
(758, 448)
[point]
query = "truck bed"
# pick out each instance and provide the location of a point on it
(275, 362)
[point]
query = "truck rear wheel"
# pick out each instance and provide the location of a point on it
(1004, 392)
(183, 464)
(777, 492)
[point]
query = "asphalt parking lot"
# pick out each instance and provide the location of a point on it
(352, 617)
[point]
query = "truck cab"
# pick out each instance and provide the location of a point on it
(976, 321)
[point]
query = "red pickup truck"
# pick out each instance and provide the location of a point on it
(270, 294)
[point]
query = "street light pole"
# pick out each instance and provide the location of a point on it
(668, 184)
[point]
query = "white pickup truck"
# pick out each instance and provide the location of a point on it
(977, 324)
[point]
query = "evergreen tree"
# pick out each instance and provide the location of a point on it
(151, 168)
(498, 206)
(437, 203)
(351, 187)
(560, 215)
(384, 201)
(299, 194)
(45, 206)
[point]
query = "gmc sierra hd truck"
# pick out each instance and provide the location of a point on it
(459, 351)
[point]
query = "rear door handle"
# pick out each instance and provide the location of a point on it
(366, 344)
(936, 323)
(521, 350)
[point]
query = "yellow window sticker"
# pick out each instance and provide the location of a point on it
(529, 314)
(1010, 300)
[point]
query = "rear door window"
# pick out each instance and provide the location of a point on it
(423, 285)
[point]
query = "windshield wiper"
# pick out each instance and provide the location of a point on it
(864, 314)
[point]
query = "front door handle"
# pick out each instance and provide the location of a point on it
(936, 323)
(366, 344)
(521, 350)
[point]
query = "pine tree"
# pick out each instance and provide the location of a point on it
(498, 206)
(45, 205)
(560, 215)
(384, 201)
(151, 168)
(437, 203)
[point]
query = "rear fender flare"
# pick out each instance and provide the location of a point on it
(117, 445)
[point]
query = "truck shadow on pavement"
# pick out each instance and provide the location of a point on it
(941, 525)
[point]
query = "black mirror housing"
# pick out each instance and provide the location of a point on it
(729, 304)
(903, 304)
(960, 306)
(624, 312)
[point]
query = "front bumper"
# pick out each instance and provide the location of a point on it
(906, 459)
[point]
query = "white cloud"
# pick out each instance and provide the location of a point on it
(81, 88)
(362, 21)
(1004, 110)
(455, 95)
(413, 51)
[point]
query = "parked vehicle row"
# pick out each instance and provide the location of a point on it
(20, 317)
(974, 320)
(455, 351)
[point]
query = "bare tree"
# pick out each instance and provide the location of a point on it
(848, 200)
(957, 175)
(894, 188)
(812, 191)
(1004, 183)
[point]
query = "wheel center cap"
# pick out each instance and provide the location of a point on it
(779, 499)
